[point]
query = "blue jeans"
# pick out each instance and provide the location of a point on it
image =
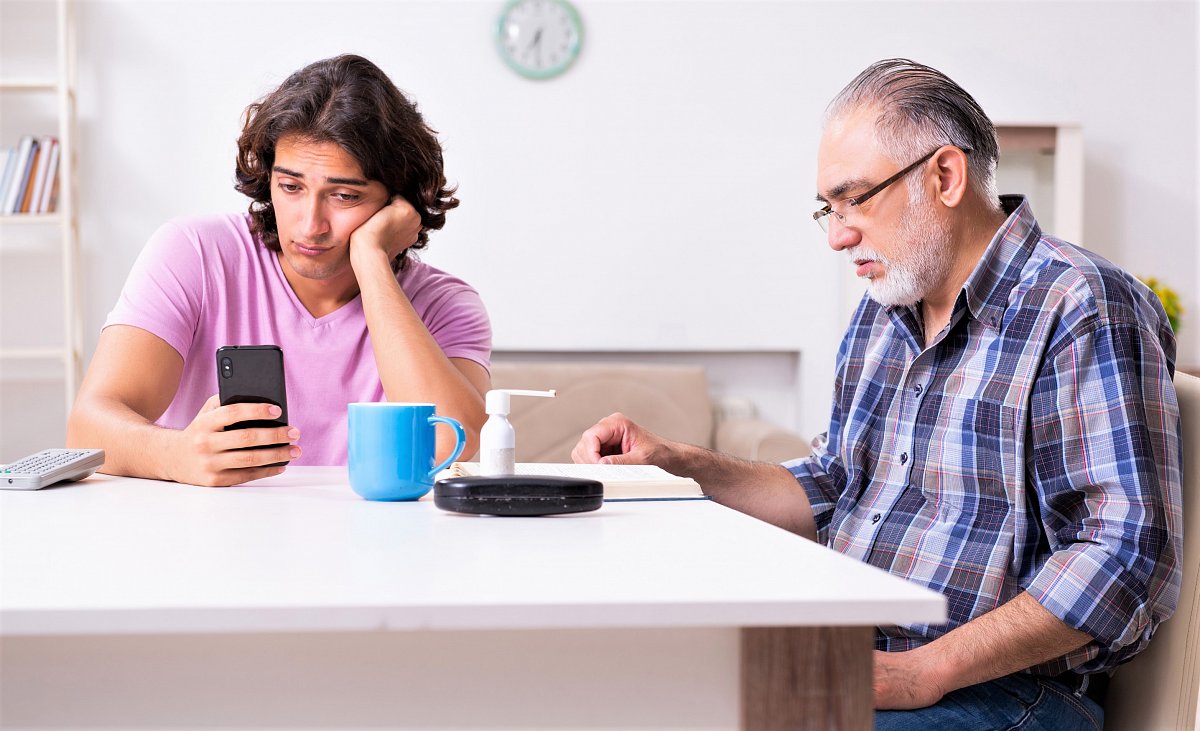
(1013, 702)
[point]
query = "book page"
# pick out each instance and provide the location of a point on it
(621, 482)
(602, 472)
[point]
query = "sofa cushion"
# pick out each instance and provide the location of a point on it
(670, 400)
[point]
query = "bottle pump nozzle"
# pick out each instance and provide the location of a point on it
(498, 401)
(498, 440)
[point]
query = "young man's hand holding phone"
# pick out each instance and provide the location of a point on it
(242, 433)
(252, 374)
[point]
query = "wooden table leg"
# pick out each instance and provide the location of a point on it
(807, 678)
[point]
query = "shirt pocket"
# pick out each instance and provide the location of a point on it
(972, 463)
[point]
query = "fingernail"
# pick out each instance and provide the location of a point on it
(274, 410)
(295, 452)
(293, 433)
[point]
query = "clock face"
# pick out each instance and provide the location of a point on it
(539, 39)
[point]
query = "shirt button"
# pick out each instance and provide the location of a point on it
(904, 458)
(875, 518)
(917, 388)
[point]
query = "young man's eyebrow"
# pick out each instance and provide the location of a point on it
(331, 181)
(346, 181)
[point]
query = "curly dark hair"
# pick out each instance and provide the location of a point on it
(349, 101)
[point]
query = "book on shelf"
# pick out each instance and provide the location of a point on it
(10, 164)
(16, 189)
(37, 192)
(29, 176)
(48, 202)
(31, 180)
(52, 195)
(621, 481)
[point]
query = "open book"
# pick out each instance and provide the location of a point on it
(621, 481)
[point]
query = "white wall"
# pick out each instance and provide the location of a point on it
(656, 197)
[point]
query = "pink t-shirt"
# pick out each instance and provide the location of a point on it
(205, 282)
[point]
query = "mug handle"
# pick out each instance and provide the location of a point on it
(460, 441)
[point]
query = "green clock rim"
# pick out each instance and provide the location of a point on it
(572, 52)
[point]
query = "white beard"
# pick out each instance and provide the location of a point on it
(924, 263)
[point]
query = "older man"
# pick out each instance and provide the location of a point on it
(1004, 429)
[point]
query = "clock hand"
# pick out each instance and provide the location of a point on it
(537, 38)
(536, 43)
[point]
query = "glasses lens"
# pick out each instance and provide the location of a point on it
(822, 219)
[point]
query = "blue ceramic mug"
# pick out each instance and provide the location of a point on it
(392, 447)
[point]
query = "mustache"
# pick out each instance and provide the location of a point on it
(863, 253)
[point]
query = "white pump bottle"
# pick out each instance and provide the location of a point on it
(498, 439)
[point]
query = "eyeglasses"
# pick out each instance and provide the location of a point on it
(822, 216)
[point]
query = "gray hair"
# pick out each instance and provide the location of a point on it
(921, 109)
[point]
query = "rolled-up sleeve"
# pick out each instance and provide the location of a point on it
(822, 474)
(1105, 461)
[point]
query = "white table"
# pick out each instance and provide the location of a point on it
(291, 602)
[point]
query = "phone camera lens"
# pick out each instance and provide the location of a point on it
(227, 367)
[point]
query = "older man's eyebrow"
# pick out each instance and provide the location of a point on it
(330, 181)
(841, 189)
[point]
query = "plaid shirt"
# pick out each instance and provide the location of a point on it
(1034, 446)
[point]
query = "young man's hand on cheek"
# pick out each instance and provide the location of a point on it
(391, 230)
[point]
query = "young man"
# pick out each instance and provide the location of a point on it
(345, 180)
(1004, 428)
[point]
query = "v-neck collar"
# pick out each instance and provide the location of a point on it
(349, 309)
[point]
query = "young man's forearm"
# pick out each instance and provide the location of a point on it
(133, 445)
(411, 364)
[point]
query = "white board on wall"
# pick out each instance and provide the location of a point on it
(651, 198)
(657, 195)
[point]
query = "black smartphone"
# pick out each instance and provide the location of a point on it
(253, 374)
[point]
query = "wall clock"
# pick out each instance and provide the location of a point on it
(539, 39)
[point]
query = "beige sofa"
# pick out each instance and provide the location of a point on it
(1160, 688)
(670, 400)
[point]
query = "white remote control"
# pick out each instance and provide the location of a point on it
(48, 467)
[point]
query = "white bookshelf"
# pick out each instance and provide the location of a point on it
(17, 230)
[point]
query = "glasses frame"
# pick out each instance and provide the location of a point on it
(821, 215)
